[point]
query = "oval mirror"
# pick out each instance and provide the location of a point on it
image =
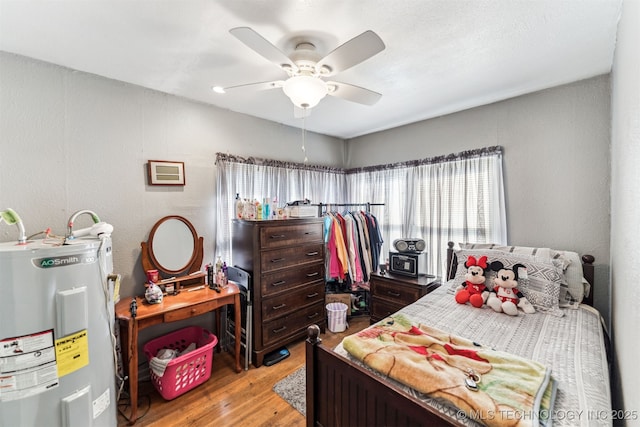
(172, 244)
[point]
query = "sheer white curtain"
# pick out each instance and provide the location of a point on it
(258, 179)
(457, 198)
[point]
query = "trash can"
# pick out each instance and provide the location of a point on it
(337, 316)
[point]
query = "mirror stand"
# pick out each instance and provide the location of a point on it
(174, 234)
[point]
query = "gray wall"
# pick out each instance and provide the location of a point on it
(625, 206)
(71, 140)
(556, 163)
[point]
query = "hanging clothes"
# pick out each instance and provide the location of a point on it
(353, 242)
(375, 237)
(354, 256)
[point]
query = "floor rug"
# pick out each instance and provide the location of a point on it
(292, 388)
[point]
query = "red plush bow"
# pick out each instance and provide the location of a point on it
(481, 262)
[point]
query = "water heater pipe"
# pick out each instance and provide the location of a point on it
(73, 217)
(11, 217)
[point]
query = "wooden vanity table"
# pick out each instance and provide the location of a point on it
(185, 305)
(176, 251)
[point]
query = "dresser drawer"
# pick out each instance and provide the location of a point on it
(290, 235)
(291, 324)
(283, 280)
(395, 292)
(381, 308)
(187, 312)
(291, 257)
(286, 303)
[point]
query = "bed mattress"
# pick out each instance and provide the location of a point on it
(573, 346)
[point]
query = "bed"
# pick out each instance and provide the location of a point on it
(565, 334)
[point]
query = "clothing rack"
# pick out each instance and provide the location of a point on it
(323, 207)
(358, 299)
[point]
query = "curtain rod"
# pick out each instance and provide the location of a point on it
(486, 151)
(328, 205)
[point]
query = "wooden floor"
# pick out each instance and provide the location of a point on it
(230, 399)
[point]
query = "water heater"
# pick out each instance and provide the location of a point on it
(56, 330)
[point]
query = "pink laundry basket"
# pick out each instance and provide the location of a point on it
(187, 371)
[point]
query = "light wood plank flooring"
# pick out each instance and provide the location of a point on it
(229, 399)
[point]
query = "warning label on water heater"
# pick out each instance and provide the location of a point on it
(72, 352)
(27, 365)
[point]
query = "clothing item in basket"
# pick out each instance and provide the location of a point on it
(159, 363)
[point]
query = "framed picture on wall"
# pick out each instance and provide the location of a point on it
(165, 173)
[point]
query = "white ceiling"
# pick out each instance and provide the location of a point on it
(441, 56)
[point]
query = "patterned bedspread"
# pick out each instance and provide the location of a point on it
(572, 346)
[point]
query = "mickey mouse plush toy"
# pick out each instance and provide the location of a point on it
(473, 290)
(505, 296)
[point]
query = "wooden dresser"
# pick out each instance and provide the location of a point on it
(390, 293)
(286, 260)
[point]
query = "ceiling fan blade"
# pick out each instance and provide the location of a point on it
(263, 46)
(353, 93)
(353, 52)
(256, 86)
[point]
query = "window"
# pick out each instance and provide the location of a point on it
(459, 197)
(280, 181)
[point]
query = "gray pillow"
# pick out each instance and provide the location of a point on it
(573, 288)
(541, 286)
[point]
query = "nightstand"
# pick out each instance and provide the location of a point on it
(391, 292)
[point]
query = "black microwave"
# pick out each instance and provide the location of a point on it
(406, 264)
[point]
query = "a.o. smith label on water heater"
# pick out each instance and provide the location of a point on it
(27, 365)
(64, 261)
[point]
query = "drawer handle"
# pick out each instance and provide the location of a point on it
(312, 274)
(279, 283)
(316, 314)
(277, 236)
(278, 307)
(312, 253)
(313, 295)
(393, 294)
(277, 260)
(277, 331)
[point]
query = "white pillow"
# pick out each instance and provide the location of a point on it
(541, 253)
(574, 277)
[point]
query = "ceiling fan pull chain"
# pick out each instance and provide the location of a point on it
(304, 135)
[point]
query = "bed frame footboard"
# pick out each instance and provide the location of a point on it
(341, 393)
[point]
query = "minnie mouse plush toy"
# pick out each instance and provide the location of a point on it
(505, 296)
(473, 290)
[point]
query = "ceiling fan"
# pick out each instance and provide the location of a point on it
(306, 84)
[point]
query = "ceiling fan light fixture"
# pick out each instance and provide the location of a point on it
(305, 91)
